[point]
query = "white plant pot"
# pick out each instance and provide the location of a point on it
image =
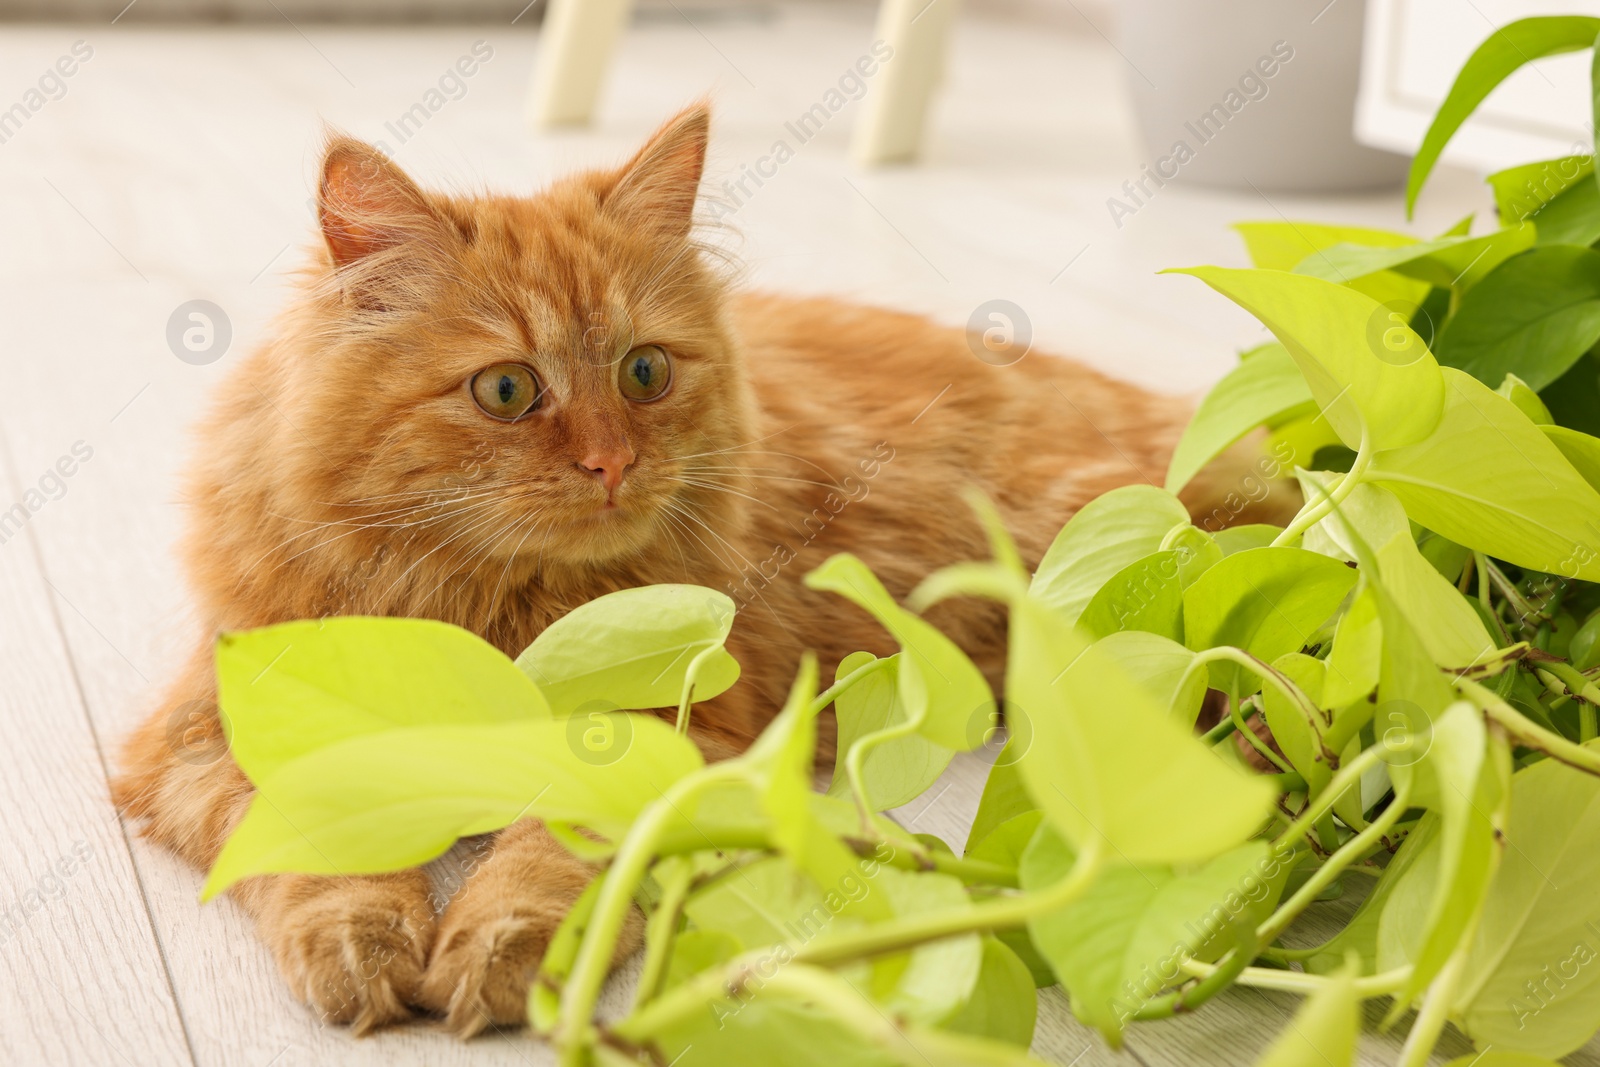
(1261, 92)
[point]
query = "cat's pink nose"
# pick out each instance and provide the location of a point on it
(609, 466)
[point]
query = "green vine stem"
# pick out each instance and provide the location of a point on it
(1435, 1011)
(904, 1045)
(830, 694)
(676, 875)
(1254, 739)
(1315, 512)
(575, 1031)
(1528, 733)
(1376, 985)
(1352, 851)
(1280, 681)
(689, 677)
(1565, 682)
(997, 913)
(892, 936)
(970, 871)
(1349, 775)
(1572, 680)
(1192, 997)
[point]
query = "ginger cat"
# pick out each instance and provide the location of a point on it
(489, 410)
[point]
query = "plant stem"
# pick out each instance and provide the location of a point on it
(1255, 739)
(1350, 852)
(1528, 733)
(999, 913)
(1218, 732)
(970, 871)
(1221, 976)
(830, 694)
(1525, 611)
(677, 876)
(1315, 512)
(643, 1023)
(1270, 675)
(1435, 1011)
(1480, 563)
(689, 678)
(1349, 775)
(1377, 985)
(574, 1030)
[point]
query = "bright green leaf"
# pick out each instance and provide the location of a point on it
(1300, 740)
(1267, 601)
(1323, 1032)
(1002, 1005)
(1004, 794)
(1118, 945)
(895, 771)
(1161, 667)
(1450, 629)
(936, 682)
(1284, 245)
(1431, 910)
(1357, 652)
(633, 649)
(1086, 775)
(1370, 513)
(1527, 401)
(1265, 386)
(1506, 49)
(1532, 982)
(1522, 192)
(1242, 538)
(1362, 368)
(1107, 534)
(1446, 262)
(1491, 480)
(1580, 449)
(396, 799)
(290, 689)
(1145, 595)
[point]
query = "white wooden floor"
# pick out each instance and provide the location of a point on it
(177, 166)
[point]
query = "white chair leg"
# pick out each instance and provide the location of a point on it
(575, 48)
(895, 109)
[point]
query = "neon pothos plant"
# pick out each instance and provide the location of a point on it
(1421, 639)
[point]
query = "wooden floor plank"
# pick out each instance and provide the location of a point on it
(84, 980)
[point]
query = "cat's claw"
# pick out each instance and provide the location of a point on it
(480, 971)
(354, 950)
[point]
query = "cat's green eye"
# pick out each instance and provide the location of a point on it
(506, 391)
(645, 373)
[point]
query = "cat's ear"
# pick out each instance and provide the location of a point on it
(367, 204)
(658, 186)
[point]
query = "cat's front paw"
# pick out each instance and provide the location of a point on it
(488, 951)
(353, 949)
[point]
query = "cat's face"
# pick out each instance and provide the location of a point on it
(504, 377)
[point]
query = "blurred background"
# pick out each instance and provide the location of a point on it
(159, 153)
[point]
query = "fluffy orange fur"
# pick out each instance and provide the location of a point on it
(347, 469)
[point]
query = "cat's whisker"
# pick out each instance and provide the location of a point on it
(742, 450)
(458, 535)
(715, 487)
(352, 529)
(532, 522)
(755, 475)
(758, 595)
